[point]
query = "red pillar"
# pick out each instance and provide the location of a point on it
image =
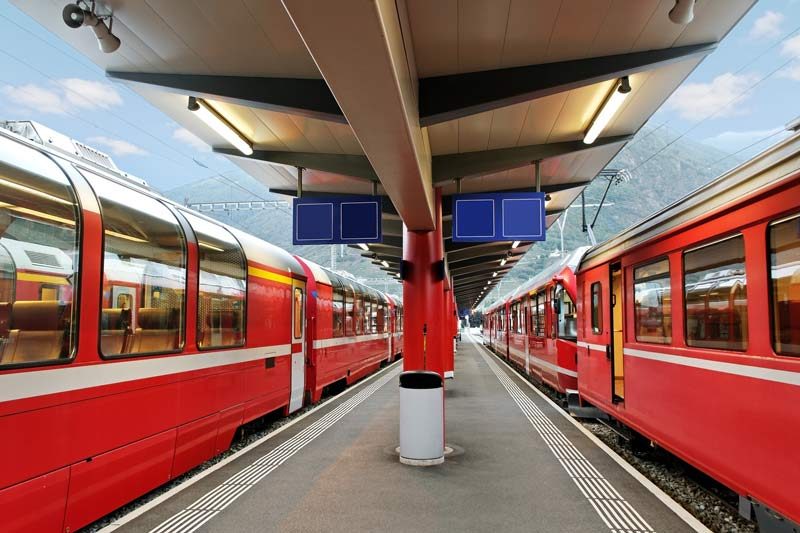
(423, 297)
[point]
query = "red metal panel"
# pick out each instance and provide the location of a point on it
(35, 505)
(229, 421)
(107, 481)
(195, 442)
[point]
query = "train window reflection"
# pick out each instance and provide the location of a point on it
(716, 295)
(652, 303)
(784, 242)
(39, 220)
(337, 310)
(223, 285)
(144, 273)
(597, 312)
(567, 314)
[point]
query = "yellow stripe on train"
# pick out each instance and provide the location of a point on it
(266, 274)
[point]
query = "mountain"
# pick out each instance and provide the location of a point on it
(655, 181)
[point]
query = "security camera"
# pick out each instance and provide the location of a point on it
(76, 16)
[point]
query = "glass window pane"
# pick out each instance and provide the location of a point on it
(567, 315)
(223, 285)
(653, 303)
(298, 313)
(144, 273)
(350, 311)
(716, 295)
(597, 312)
(337, 309)
(39, 220)
(784, 241)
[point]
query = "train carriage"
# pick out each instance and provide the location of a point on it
(349, 329)
(689, 323)
(136, 336)
(542, 325)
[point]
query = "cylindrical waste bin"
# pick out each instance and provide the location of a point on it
(421, 418)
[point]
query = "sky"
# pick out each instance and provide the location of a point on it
(738, 100)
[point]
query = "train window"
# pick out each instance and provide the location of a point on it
(716, 295)
(358, 314)
(144, 273)
(597, 307)
(652, 303)
(222, 288)
(39, 221)
(784, 243)
(373, 315)
(298, 313)
(381, 318)
(566, 314)
(349, 311)
(337, 309)
(540, 323)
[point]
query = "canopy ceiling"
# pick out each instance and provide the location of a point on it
(401, 96)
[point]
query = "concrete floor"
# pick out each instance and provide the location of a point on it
(517, 472)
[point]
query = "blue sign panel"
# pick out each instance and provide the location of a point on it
(489, 217)
(337, 220)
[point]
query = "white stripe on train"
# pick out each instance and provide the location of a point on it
(749, 371)
(69, 378)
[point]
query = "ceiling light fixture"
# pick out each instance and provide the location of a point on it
(217, 122)
(494, 274)
(683, 12)
(385, 264)
(503, 261)
(363, 246)
(607, 111)
(514, 244)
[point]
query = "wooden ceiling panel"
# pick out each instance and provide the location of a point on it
(443, 137)
(481, 33)
(575, 28)
(578, 110)
(473, 132)
(507, 125)
(289, 48)
(540, 118)
(530, 25)
(434, 32)
(622, 26)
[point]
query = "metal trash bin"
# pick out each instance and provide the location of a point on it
(421, 418)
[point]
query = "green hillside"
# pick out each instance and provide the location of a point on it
(682, 167)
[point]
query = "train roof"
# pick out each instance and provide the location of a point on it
(767, 169)
(329, 277)
(570, 260)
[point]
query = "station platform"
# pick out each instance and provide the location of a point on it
(519, 464)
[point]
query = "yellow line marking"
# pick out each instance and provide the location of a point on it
(55, 280)
(266, 274)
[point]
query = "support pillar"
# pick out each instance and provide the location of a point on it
(423, 297)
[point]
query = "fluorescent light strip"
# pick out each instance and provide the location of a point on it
(217, 122)
(514, 244)
(607, 111)
(363, 246)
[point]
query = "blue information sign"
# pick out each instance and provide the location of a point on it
(337, 220)
(489, 217)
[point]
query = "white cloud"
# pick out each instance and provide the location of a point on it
(767, 26)
(34, 97)
(722, 97)
(731, 141)
(791, 49)
(88, 94)
(59, 98)
(117, 146)
(187, 137)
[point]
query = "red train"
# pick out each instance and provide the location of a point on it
(688, 329)
(136, 336)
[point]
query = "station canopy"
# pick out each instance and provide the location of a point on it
(399, 97)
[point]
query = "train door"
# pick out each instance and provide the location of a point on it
(298, 345)
(617, 360)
